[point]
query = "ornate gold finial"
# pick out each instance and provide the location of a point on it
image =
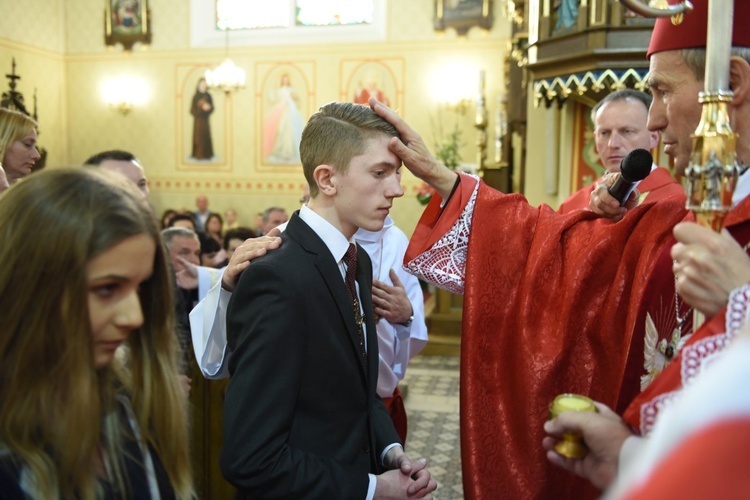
(713, 170)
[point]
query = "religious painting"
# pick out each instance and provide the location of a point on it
(462, 15)
(586, 167)
(379, 78)
(127, 22)
(201, 107)
(284, 94)
(203, 121)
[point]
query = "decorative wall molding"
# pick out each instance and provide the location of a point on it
(241, 186)
(560, 88)
(167, 184)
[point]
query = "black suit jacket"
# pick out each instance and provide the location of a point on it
(301, 415)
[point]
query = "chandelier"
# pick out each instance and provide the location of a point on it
(227, 76)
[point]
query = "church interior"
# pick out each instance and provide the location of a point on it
(530, 89)
(501, 88)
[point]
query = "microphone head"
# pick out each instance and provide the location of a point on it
(636, 165)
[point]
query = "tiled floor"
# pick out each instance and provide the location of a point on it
(432, 408)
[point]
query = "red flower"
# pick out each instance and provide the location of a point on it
(424, 193)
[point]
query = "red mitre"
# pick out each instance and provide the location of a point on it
(692, 31)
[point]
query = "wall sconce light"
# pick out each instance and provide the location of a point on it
(123, 93)
(227, 76)
(455, 87)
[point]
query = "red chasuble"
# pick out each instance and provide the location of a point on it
(658, 185)
(664, 387)
(642, 411)
(709, 464)
(549, 307)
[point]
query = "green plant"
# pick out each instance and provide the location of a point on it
(447, 151)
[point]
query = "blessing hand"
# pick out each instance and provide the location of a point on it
(412, 150)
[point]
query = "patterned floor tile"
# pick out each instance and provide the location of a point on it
(433, 410)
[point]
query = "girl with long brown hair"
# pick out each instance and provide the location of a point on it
(92, 405)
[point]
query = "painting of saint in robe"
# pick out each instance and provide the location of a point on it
(201, 108)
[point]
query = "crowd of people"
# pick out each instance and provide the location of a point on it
(129, 463)
(102, 319)
(217, 234)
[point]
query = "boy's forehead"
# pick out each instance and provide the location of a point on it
(377, 143)
(376, 151)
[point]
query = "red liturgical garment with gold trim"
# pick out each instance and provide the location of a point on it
(549, 307)
(657, 186)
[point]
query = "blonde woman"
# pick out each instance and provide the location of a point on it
(17, 145)
(91, 401)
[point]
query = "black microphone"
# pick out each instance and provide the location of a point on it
(633, 168)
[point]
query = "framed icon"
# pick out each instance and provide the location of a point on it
(203, 122)
(127, 22)
(462, 14)
(381, 78)
(285, 99)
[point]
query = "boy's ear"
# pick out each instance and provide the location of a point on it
(324, 178)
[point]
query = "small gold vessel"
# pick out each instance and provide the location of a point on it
(571, 445)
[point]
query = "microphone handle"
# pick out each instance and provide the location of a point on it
(621, 189)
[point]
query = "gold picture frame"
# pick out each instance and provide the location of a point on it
(127, 22)
(462, 15)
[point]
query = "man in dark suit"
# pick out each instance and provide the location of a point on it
(201, 215)
(302, 418)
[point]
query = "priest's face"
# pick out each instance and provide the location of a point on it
(675, 110)
(619, 128)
